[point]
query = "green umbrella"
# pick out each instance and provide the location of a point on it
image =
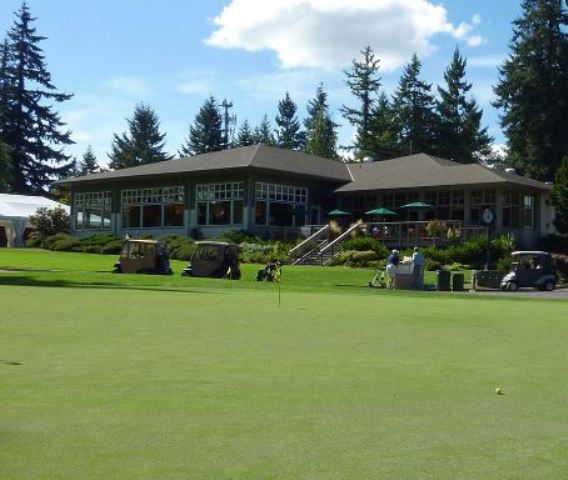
(338, 213)
(418, 206)
(381, 211)
(299, 211)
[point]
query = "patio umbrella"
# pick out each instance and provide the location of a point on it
(418, 206)
(299, 211)
(338, 213)
(381, 211)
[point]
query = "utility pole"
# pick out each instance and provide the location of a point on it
(228, 120)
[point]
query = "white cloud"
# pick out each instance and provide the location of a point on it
(475, 40)
(130, 86)
(200, 84)
(490, 61)
(329, 33)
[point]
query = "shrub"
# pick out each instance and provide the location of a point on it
(356, 258)
(554, 243)
(184, 252)
(61, 242)
(50, 221)
(334, 229)
(503, 264)
(179, 248)
(432, 265)
(68, 244)
(362, 244)
(239, 236)
(455, 267)
(561, 263)
(33, 241)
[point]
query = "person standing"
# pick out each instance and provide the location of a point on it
(392, 263)
(418, 264)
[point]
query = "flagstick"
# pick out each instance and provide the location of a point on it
(279, 295)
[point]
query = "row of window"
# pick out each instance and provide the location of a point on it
(281, 193)
(454, 198)
(220, 191)
(92, 210)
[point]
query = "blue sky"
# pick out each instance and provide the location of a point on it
(172, 54)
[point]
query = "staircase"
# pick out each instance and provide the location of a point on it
(320, 249)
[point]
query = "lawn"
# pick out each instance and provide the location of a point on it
(144, 377)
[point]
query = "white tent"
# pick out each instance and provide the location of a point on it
(15, 211)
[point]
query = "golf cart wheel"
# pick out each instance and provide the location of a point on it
(512, 287)
(549, 286)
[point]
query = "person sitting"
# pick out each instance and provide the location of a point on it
(392, 263)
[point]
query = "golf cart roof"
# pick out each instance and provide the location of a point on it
(145, 241)
(529, 253)
(219, 244)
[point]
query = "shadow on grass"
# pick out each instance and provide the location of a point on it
(26, 281)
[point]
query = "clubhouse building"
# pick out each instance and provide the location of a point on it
(278, 193)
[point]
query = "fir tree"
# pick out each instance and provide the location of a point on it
(383, 144)
(533, 89)
(142, 144)
(459, 133)
(245, 135)
(5, 167)
(206, 133)
(321, 135)
(364, 83)
(88, 163)
(288, 132)
(559, 197)
(30, 127)
(263, 133)
(414, 113)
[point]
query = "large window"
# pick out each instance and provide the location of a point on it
(153, 207)
(511, 209)
(92, 210)
(280, 205)
(528, 212)
(220, 203)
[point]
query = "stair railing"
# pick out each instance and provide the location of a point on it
(309, 243)
(333, 247)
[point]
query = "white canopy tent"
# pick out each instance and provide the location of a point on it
(15, 211)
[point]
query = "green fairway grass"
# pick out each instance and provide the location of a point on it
(106, 376)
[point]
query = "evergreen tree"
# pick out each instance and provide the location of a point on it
(31, 128)
(459, 133)
(533, 89)
(88, 163)
(5, 167)
(245, 135)
(560, 197)
(142, 144)
(383, 144)
(414, 113)
(364, 83)
(288, 133)
(321, 135)
(263, 133)
(206, 133)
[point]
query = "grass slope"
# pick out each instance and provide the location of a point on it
(214, 380)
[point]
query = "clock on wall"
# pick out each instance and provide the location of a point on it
(488, 216)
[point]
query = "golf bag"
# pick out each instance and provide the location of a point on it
(269, 272)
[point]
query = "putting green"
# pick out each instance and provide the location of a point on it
(212, 379)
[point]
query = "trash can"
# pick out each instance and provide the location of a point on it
(443, 283)
(458, 282)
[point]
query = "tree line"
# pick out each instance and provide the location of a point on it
(444, 120)
(413, 120)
